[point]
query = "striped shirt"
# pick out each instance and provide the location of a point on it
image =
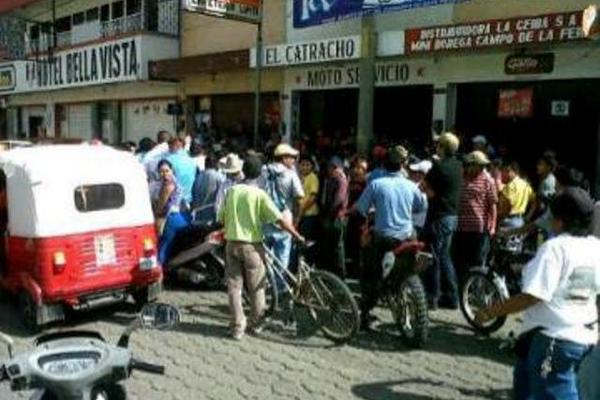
(478, 198)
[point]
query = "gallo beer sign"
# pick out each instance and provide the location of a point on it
(243, 10)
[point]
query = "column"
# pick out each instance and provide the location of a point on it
(444, 108)
(366, 96)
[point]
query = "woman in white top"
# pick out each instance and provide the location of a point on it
(559, 303)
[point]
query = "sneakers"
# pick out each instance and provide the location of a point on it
(237, 334)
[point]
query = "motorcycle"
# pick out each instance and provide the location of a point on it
(199, 257)
(81, 365)
(404, 293)
(494, 282)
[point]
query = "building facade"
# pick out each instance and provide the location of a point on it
(89, 78)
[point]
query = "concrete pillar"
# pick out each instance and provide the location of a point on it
(366, 97)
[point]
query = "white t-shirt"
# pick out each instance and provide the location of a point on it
(565, 275)
(596, 221)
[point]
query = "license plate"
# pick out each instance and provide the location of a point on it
(146, 264)
(105, 250)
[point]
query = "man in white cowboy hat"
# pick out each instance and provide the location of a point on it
(282, 183)
(231, 165)
(477, 214)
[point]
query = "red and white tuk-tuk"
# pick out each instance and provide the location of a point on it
(79, 230)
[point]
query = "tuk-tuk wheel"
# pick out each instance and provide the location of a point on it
(29, 312)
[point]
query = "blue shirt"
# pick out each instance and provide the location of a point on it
(205, 192)
(185, 169)
(395, 199)
(376, 174)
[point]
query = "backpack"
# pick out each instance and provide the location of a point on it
(273, 189)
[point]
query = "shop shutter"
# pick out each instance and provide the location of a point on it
(146, 118)
(79, 121)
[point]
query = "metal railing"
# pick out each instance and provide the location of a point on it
(119, 26)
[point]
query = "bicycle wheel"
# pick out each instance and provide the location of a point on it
(409, 308)
(271, 294)
(331, 305)
(479, 291)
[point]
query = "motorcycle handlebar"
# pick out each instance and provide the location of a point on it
(147, 367)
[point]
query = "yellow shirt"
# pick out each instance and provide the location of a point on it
(519, 195)
(310, 183)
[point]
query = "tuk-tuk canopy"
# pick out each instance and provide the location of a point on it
(70, 189)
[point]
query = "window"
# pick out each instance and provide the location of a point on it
(134, 7)
(108, 196)
(92, 15)
(118, 10)
(63, 24)
(105, 13)
(78, 18)
(34, 32)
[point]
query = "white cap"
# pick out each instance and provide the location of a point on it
(479, 139)
(422, 166)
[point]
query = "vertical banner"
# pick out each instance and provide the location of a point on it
(316, 12)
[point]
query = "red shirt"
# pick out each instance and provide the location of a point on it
(477, 206)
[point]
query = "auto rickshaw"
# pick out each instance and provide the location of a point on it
(78, 230)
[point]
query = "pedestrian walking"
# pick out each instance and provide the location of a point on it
(333, 218)
(395, 199)
(246, 210)
(443, 187)
(558, 300)
(477, 213)
(515, 198)
(281, 182)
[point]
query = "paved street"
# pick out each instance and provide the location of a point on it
(202, 363)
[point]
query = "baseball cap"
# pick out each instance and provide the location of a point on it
(423, 166)
(449, 141)
(479, 139)
(398, 154)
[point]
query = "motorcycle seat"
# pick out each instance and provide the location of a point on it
(409, 247)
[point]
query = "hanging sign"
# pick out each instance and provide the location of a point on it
(542, 29)
(320, 51)
(560, 108)
(529, 64)
(515, 103)
(242, 10)
(316, 12)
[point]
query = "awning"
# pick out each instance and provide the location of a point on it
(174, 69)
(11, 5)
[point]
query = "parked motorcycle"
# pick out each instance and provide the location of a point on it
(80, 365)
(199, 257)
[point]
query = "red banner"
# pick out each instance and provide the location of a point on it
(515, 103)
(542, 29)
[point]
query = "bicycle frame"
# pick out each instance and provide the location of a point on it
(290, 280)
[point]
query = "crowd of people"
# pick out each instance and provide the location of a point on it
(456, 198)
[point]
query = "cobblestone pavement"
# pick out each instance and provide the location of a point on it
(202, 363)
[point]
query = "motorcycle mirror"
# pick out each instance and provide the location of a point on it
(9, 342)
(159, 316)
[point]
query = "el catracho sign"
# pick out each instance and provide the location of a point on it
(521, 31)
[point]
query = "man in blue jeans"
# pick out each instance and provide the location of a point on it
(558, 302)
(442, 185)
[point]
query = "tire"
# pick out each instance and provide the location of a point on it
(29, 310)
(109, 392)
(271, 294)
(215, 273)
(331, 305)
(410, 312)
(472, 299)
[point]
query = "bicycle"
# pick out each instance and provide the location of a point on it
(330, 302)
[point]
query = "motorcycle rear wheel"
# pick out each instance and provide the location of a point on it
(480, 290)
(410, 311)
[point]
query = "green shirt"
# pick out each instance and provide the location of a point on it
(244, 213)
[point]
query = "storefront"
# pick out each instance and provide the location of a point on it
(96, 91)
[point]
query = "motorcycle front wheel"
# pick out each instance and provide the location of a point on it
(410, 311)
(479, 291)
(105, 392)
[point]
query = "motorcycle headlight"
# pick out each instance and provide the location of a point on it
(69, 363)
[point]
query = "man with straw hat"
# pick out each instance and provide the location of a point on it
(477, 213)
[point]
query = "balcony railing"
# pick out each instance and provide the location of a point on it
(162, 18)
